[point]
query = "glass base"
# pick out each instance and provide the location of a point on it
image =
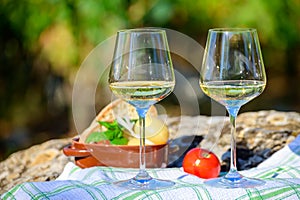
(243, 182)
(144, 184)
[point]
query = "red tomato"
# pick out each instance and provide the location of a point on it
(202, 163)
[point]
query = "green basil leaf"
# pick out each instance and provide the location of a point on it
(95, 137)
(119, 141)
(119, 134)
(108, 125)
(109, 134)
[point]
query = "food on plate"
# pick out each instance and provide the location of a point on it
(118, 124)
(202, 163)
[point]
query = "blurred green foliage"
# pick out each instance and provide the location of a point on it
(43, 43)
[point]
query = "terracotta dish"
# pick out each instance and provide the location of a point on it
(89, 155)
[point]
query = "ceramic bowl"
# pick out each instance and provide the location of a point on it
(89, 155)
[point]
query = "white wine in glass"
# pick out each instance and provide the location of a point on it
(142, 74)
(232, 74)
(142, 93)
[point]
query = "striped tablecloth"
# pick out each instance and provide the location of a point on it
(281, 173)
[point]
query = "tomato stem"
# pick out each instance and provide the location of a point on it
(204, 154)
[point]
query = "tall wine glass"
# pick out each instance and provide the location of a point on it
(142, 74)
(232, 74)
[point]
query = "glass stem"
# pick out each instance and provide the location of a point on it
(233, 174)
(142, 175)
(142, 145)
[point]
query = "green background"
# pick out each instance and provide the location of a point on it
(43, 43)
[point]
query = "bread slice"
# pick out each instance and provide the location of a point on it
(109, 113)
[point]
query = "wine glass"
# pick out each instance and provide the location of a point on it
(232, 74)
(142, 74)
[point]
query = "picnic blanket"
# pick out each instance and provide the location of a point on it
(281, 172)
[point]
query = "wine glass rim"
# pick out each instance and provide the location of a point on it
(142, 30)
(232, 30)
